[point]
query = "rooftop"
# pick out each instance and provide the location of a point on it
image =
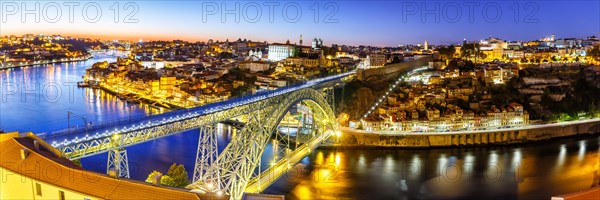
(80, 180)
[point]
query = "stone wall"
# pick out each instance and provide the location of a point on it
(426, 140)
(392, 71)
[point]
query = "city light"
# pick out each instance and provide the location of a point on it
(167, 104)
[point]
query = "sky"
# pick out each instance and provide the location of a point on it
(351, 22)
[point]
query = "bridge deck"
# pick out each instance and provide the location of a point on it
(269, 176)
(100, 138)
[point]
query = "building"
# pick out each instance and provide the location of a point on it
(32, 169)
(255, 66)
(317, 43)
(167, 83)
(255, 54)
(376, 60)
(279, 52)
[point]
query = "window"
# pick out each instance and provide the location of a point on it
(61, 195)
(38, 189)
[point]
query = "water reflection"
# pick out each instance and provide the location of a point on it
(526, 172)
(38, 98)
(581, 150)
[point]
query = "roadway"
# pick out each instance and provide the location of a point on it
(267, 177)
(488, 130)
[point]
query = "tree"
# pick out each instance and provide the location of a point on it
(152, 175)
(483, 56)
(78, 162)
(177, 176)
(594, 53)
(468, 50)
(225, 55)
(447, 52)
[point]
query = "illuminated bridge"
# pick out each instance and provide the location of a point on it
(234, 170)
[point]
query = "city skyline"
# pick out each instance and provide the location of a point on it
(385, 25)
(383, 99)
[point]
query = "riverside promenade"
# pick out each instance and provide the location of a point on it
(517, 135)
(43, 62)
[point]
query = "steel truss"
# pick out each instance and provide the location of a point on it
(89, 145)
(117, 160)
(207, 152)
(237, 163)
(330, 95)
(233, 168)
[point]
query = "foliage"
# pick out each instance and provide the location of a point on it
(594, 53)
(447, 52)
(469, 50)
(581, 101)
(239, 74)
(177, 176)
(77, 162)
(463, 65)
(242, 90)
(152, 175)
(225, 55)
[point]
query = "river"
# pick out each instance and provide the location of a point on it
(38, 98)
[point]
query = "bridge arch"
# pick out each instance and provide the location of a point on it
(235, 166)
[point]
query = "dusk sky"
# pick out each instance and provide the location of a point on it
(379, 23)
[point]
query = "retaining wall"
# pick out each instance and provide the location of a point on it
(352, 138)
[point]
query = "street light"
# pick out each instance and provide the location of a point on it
(69, 122)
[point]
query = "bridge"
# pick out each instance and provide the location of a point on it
(237, 168)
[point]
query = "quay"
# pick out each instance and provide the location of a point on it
(517, 135)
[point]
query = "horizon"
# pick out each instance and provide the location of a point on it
(275, 42)
(379, 23)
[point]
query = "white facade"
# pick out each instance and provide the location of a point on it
(279, 52)
(153, 64)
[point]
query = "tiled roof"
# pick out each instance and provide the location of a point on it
(593, 193)
(69, 176)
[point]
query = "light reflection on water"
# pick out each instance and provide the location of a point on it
(38, 98)
(536, 171)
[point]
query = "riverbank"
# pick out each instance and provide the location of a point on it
(150, 102)
(509, 136)
(27, 64)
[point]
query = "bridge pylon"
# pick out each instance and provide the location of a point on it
(117, 160)
(330, 97)
(207, 153)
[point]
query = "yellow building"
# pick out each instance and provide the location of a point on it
(32, 169)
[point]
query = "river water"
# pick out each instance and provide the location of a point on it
(37, 99)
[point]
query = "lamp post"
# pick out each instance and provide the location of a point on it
(85, 121)
(86, 125)
(69, 122)
(129, 107)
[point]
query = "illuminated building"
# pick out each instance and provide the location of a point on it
(279, 52)
(255, 66)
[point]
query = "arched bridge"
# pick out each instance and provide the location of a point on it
(233, 171)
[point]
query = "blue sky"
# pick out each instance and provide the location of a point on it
(380, 23)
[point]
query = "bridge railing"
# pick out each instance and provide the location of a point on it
(120, 123)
